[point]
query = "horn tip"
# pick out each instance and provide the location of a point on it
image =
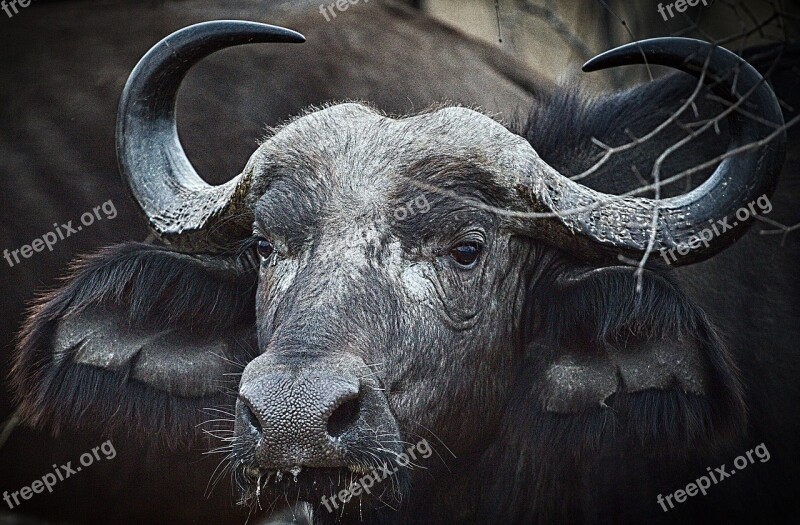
(622, 55)
(294, 37)
(589, 66)
(594, 64)
(284, 34)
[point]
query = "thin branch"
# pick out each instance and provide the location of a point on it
(781, 228)
(610, 151)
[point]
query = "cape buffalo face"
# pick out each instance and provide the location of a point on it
(379, 294)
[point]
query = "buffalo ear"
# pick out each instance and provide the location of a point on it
(574, 383)
(649, 357)
(141, 339)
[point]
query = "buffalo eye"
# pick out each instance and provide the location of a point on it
(466, 253)
(264, 248)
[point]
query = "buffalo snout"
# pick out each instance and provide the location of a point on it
(313, 415)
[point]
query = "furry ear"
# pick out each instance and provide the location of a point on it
(651, 356)
(139, 339)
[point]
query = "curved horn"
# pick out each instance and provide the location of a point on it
(182, 208)
(625, 224)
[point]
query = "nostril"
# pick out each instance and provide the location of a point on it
(344, 417)
(249, 417)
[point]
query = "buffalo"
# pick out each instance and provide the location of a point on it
(514, 351)
(595, 450)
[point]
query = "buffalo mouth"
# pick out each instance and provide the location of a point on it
(332, 493)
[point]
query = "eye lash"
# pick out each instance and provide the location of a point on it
(246, 251)
(247, 244)
(475, 236)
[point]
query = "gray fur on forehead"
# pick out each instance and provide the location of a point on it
(344, 138)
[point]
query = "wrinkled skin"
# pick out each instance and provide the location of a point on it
(348, 277)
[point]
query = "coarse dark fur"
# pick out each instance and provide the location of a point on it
(154, 288)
